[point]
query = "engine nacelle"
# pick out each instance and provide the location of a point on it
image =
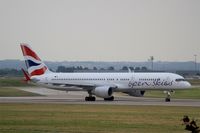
(136, 93)
(103, 91)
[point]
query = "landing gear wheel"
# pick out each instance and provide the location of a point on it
(90, 98)
(109, 99)
(93, 98)
(86, 98)
(167, 99)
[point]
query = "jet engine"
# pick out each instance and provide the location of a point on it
(103, 91)
(136, 93)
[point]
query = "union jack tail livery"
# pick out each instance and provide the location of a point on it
(34, 64)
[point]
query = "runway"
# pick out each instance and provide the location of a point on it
(60, 97)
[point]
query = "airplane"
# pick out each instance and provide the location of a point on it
(102, 85)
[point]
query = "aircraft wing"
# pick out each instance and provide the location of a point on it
(67, 85)
(83, 86)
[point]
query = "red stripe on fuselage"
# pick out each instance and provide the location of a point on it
(39, 71)
(28, 52)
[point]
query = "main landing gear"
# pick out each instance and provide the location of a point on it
(90, 97)
(109, 99)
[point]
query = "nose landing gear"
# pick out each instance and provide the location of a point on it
(168, 98)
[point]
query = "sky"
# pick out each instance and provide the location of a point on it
(101, 30)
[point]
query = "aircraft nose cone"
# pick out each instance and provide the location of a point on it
(187, 84)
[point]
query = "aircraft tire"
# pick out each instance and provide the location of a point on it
(90, 98)
(167, 99)
(93, 98)
(109, 99)
(86, 98)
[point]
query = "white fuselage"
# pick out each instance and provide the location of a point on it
(119, 81)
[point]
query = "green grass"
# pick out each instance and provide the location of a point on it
(57, 118)
(7, 84)
(13, 92)
(7, 87)
(193, 93)
(14, 81)
(194, 81)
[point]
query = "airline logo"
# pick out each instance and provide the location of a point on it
(33, 63)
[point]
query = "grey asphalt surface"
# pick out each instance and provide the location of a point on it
(61, 97)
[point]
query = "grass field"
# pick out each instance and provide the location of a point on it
(13, 92)
(56, 118)
(12, 81)
(194, 81)
(7, 89)
(182, 94)
(193, 93)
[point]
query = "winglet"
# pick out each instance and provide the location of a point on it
(26, 75)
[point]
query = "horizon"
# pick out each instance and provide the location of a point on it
(160, 66)
(155, 61)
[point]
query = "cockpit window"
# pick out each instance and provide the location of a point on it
(178, 80)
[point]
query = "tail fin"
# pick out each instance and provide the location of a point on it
(33, 63)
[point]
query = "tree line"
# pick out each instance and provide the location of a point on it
(95, 69)
(18, 73)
